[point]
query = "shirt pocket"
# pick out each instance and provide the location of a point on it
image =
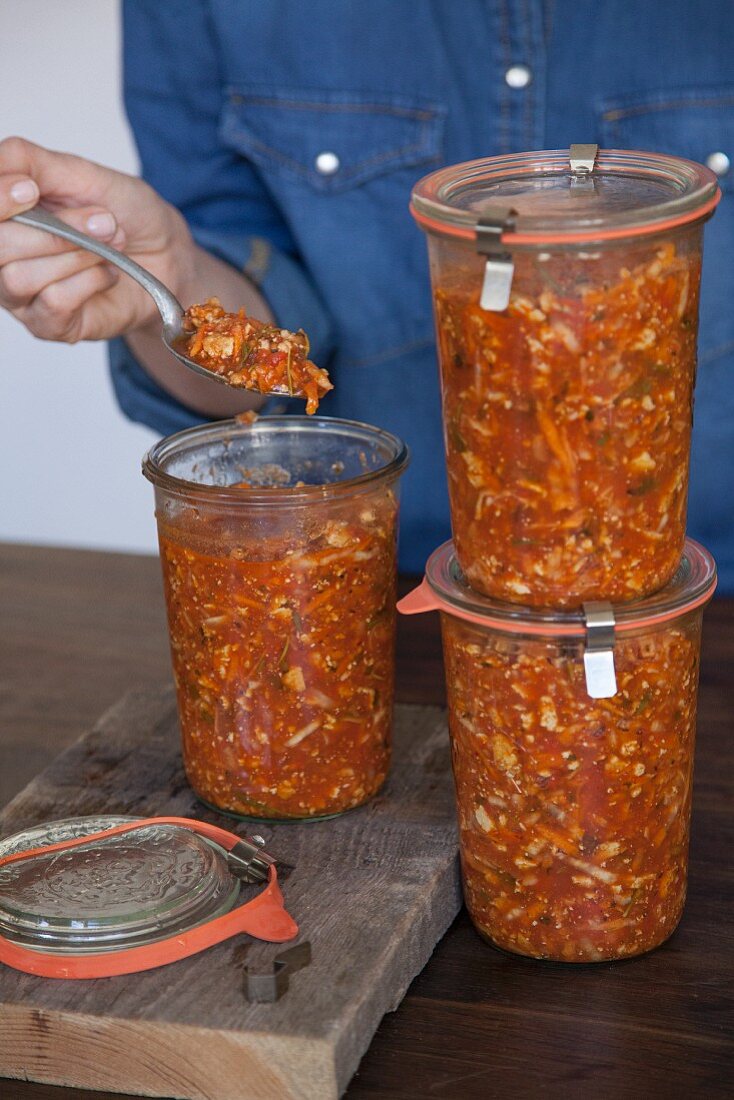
(692, 123)
(340, 168)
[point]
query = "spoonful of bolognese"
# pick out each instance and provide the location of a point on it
(231, 348)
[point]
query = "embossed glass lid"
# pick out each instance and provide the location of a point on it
(617, 193)
(117, 892)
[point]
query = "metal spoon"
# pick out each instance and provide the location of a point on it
(168, 306)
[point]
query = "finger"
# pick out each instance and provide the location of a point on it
(22, 280)
(19, 242)
(56, 313)
(17, 193)
(61, 177)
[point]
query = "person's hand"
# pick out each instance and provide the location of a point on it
(60, 292)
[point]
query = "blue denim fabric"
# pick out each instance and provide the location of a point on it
(231, 101)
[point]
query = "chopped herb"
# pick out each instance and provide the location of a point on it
(642, 487)
(455, 437)
(639, 388)
(644, 703)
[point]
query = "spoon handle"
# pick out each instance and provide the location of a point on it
(168, 306)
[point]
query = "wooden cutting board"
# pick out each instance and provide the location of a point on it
(373, 892)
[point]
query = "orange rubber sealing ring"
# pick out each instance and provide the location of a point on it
(264, 917)
(588, 236)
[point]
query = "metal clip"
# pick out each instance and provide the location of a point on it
(582, 159)
(499, 268)
(265, 988)
(601, 679)
(249, 861)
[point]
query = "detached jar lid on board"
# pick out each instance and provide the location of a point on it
(94, 897)
(130, 889)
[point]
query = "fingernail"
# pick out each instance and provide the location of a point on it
(24, 191)
(101, 225)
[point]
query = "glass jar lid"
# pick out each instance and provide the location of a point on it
(446, 589)
(547, 199)
(117, 892)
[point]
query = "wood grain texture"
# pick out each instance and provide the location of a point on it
(373, 891)
(80, 627)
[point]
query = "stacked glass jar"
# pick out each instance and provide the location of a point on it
(566, 301)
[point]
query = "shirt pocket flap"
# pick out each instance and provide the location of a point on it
(332, 141)
(691, 122)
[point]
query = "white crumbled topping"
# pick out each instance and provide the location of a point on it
(643, 463)
(483, 819)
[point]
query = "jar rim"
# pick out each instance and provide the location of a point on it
(694, 195)
(171, 446)
(445, 589)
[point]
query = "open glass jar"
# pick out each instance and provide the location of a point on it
(574, 810)
(278, 547)
(566, 305)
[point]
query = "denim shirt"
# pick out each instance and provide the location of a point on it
(232, 103)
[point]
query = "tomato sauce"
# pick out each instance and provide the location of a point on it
(573, 812)
(282, 648)
(568, 423)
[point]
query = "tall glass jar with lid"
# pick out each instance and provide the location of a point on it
(566, 304)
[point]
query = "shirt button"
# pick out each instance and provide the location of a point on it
(327, 164)
(518, 76)
(718, 163)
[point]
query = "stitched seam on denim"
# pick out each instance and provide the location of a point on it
(547, 21)
(536, 45)
(347, 173)
(527, 33)
(389, 353)
(716, 353)
(614, 114)
(421, 114)
(505, 102)
(541, 110)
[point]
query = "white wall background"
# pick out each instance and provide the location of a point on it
(69, 461)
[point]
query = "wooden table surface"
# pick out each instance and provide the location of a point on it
(80, 628)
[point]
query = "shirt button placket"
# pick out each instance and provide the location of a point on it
(523, 74)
